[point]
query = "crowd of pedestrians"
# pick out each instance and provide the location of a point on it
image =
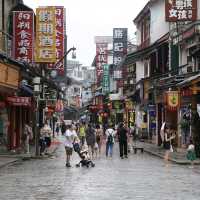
(93, 138)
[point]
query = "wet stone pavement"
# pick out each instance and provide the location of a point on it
(140, 177)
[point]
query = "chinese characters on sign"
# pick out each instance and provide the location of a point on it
(180, 10)
(101, 59)
(45, 35)
(60, 31)
(19, 101)
(119, 44)
(23, 32)
(105, 83)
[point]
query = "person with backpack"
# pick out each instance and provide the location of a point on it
(110, 134)
(123, 141)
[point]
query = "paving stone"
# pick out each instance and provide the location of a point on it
(140, 177)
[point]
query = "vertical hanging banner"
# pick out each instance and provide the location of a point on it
(106, 82)
(172, 100)
(120, 44)
(101, 59)
(45, 51)
(23, 35)
(60, 31)
(180, 10)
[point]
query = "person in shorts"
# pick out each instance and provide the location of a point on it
(70, 137)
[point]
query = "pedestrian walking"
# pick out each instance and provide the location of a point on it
(168, 137)
(26, 137)
(46, 133)
(70, 138)
(82, 133)
(191, 156)
(42, 142)
(123, 141)
(99, 137)
(90, 139)
(110, 134)
(57, 129)
(63, 128)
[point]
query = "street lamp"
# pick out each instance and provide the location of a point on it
(73, 49)
(37, 90)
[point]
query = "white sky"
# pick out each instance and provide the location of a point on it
(86, 19)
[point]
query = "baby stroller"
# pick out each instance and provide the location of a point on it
(85, 160)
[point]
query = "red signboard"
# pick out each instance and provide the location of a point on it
(19, 101)
(180, 10)
(101, 59)
(60, 31)
(23, 35)
(186, 92)
(59, 106)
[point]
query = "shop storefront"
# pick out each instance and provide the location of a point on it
(9, 79)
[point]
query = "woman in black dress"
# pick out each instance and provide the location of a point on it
(167, 143)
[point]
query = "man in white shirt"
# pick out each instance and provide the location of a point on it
(110, 134)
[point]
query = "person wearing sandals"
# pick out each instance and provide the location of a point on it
(70, 137)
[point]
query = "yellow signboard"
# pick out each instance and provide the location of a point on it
(9, 76)
(45, 35)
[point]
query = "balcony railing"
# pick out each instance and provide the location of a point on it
(6, 43)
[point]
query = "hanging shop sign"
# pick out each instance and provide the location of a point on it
(119, 44)
(23, 35)
(60, 32)
(101, 59)
(9, 76)
(172, 100)
(129, 105)
(45, 35)
(106, 80)
(59, 106)
(19, 101)
(180, 10)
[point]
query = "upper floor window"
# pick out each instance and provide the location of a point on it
(145, 30)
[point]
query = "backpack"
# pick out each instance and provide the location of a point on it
(110, 139)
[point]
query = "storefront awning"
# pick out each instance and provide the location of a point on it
(27, 89)
(188, 80)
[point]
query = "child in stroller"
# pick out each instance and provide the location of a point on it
(83, 154)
